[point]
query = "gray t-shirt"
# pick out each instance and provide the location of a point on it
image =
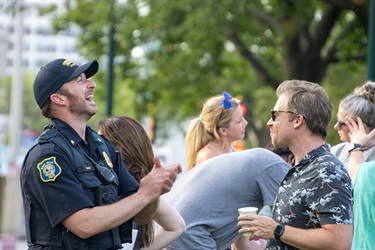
(341, 152)
(208, 196)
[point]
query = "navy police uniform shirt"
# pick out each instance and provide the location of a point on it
(49, 177)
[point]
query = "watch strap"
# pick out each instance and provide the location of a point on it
(354, 146)
(279, 230)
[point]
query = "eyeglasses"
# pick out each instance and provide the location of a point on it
(274, 112)
(226, 102)
(340, 123)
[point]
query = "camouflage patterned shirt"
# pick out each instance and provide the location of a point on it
(315, 192)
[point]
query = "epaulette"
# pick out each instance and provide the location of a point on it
(49, 133)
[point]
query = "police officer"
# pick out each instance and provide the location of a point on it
(77, 193)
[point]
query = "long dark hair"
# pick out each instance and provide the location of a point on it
(135, 147)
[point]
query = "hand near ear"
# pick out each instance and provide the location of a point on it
(358, 133)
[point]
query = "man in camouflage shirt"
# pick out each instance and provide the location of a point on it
(313, 208)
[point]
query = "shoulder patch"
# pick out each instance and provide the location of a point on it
(49, 169)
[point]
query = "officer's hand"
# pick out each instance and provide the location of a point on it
(160, 180)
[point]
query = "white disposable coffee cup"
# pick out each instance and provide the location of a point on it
(247, 210)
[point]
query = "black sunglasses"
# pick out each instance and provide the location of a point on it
(340, 123)
(274, 112)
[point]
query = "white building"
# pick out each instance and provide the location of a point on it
(39, 44)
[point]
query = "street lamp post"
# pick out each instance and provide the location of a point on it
(111, 48)
(12, 206)
(371, 43)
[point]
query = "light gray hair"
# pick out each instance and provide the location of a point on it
(361, 102)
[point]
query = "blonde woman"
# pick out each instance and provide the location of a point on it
(136, 151)
(217, 127)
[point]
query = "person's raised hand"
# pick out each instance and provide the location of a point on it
(358, 134)
(160, 180)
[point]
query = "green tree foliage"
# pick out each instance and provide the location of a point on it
(193, 49)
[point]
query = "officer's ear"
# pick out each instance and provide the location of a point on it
(57, 98)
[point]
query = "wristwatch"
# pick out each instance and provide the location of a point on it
(353, 146)
(279, 230)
